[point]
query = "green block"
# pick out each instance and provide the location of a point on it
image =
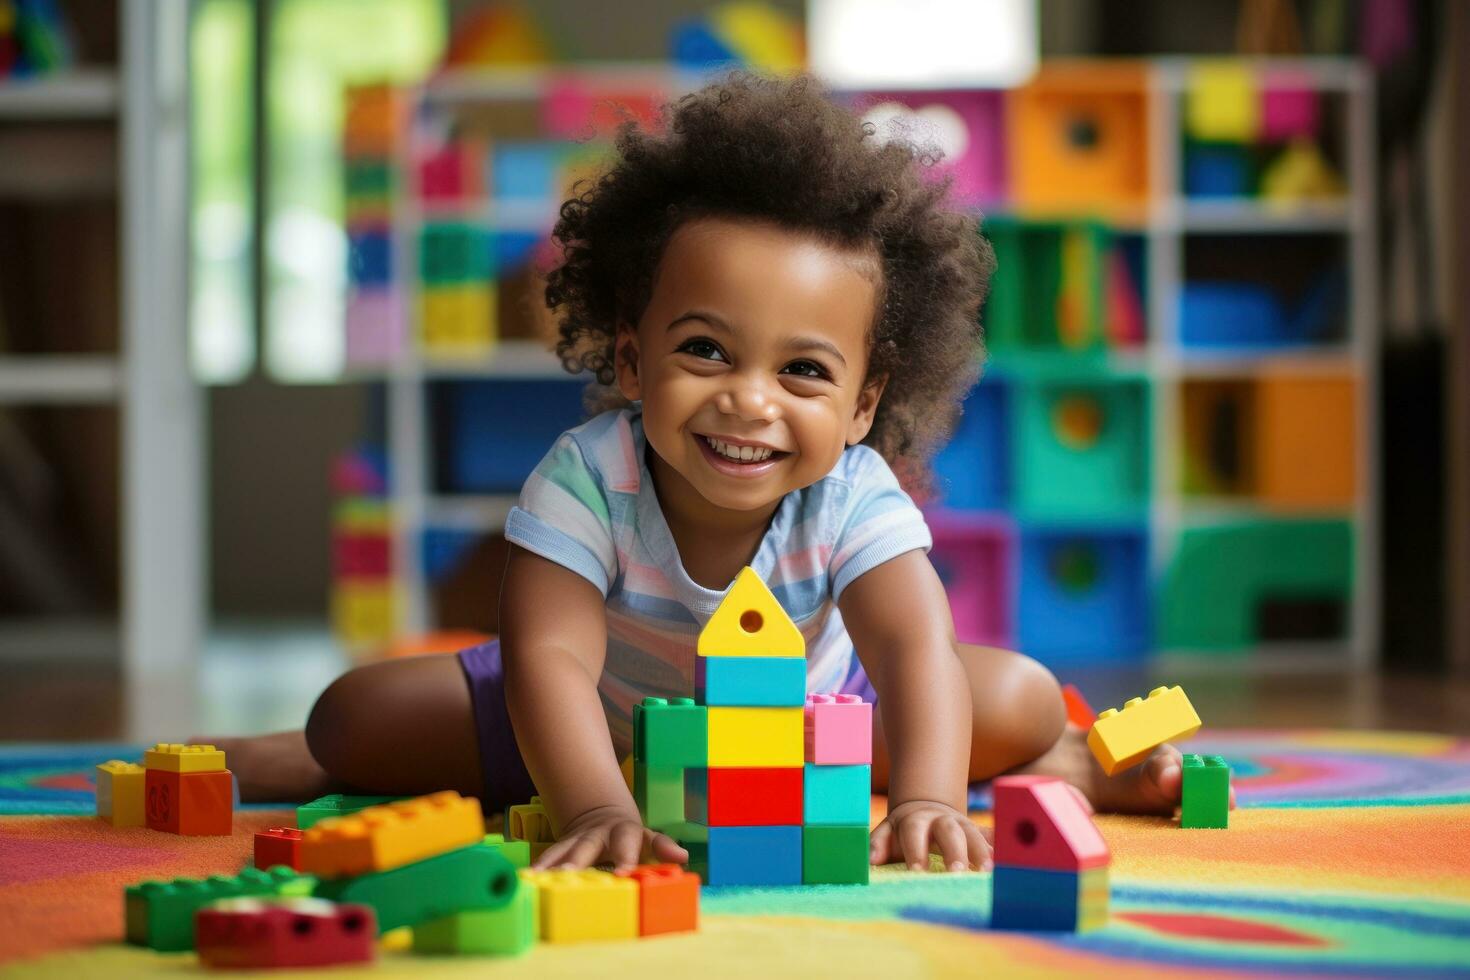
(834, 855)
(1206, 802)
(671, 733)
(337, 805)
(474, 877)
(517, 852)
(659, 793)
(504, 931)
(454, 252)
(1221, 578)
(160, 914)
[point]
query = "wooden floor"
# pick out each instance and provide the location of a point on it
(252, 686)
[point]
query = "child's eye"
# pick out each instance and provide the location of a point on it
(805, 369)
(702, 348)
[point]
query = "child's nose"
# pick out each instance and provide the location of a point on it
(747, 399)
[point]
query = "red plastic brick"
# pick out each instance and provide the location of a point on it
(1040, 823)
(195, 804)
(278, 845)
(668, 899)
(251, 934)
(1079, 712)
(754, 797)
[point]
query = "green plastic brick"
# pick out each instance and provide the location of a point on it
(337, 805)
(505, 931)
(671, 733)
(659, 792)
(517, 852)
(834, 855)
(1206, 801)
(474, 877)
(160, 914)
(453, 252)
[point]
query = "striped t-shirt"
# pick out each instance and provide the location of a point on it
(590, 506)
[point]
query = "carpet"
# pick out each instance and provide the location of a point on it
(1349, 856)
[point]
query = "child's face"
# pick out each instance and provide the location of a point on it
(757, 337)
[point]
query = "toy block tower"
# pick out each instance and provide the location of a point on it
(188, 790)
(761, 786)
(1051, 863)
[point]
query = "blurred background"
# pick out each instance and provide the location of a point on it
(273, 362)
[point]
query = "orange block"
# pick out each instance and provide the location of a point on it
(195, 804)
(384, 837)
(1306, 440)
(668, 899)
(1079, 138)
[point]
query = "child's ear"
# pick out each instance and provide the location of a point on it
(866, 408)
(625, 362)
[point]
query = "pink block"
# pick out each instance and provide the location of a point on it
(839, 730)
(978, 168)
(1290, 109)
(1041, 823)
(973, 555)
(374, 327)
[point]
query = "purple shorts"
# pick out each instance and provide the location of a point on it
(506, 780)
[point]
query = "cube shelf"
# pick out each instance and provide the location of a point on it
(974, 555)
(1084, 593)
(477, 452)
(1263, 290)
(973, 471)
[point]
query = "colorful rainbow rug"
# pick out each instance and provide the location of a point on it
(1350, 856)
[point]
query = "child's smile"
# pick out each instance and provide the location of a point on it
(751, 362)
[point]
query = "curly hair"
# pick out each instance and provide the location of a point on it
(781, 151)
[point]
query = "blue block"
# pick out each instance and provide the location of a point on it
(491, 434)
(762, 682)
(1216, 171)
(528, 170)
(754, 856)
(369, 258)
(1034, 899)
(836, 795)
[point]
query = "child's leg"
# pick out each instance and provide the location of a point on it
(1020, 724)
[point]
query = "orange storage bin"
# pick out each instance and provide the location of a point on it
(1307, 440)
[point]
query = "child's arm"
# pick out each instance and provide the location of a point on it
(898, 617)
(553, 641)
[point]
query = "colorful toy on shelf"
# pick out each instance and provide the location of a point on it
(120, 793)
(1051, 863)
(763, 769)
(1206, 793)
(1122, 739)
(1222, 103)
(189, 791)
(363, 598)
(372, 126)
(160, 914)
(498, 35)
(34, 39)
(746, 33)
(256, 934)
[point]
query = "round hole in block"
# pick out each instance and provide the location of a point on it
(751, 621)
(303, 925)
(1026, 832)
(502, 884)
(1083, 133)
(1077, 421)
(353, 922)
(1075, 567)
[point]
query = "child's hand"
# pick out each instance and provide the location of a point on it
(609, 835)
(913, 829)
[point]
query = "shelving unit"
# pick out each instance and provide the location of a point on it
(997, 523)
(140, 109)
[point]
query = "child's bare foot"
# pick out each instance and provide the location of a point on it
(1153, 786)
(271, 768)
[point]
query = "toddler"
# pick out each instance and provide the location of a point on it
(782, 313)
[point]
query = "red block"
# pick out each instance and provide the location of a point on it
(668, 899)
(361, 555)
(754, 797)
(253, 934)
(1079, 712)
(278, 845)
(195, 804)
(1040, 823)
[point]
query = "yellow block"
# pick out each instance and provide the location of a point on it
(364, 611)
(120, 793)
(1124, 738)
(1222, 103)
(457, 320)
(749, 622)
(765, 737)
(173, 757)
(381, 838)
(529, 822)
(585, 906)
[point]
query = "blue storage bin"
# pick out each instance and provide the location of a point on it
(442, 550)
(1084, 593)
(1223, 314)
(369, 257)
(973, 471)
(491, 434)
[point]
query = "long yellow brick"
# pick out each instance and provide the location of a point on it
(1120, 739)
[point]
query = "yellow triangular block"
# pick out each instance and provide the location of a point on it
(750, 623)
